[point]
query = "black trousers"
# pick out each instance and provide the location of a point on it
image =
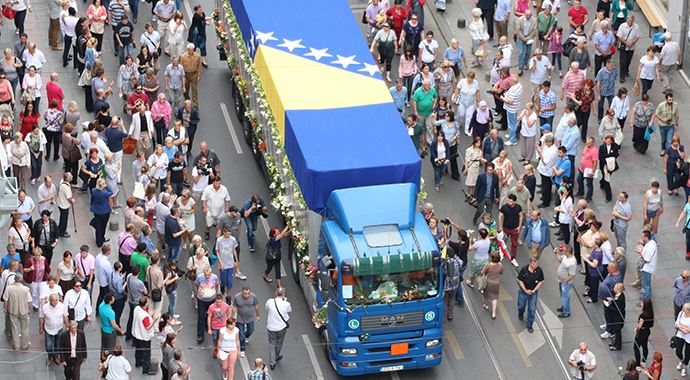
(191, 131)
(130, 319)
(583, 123)
(53, 139)
(64, 219)
(72, 167)
(488, 18)
(546, 192)
(593, 283)
(641, 339)
(118, 308)
(606, 186)
(100, 223)
(625, 59)
(126, 262)
(454, 162)
(66, 46)
(102, 291)
(502, 111)
(142, 355)
(47, 252)
(73, 369)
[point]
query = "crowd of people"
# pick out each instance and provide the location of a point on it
(159, 243)
(440, 99)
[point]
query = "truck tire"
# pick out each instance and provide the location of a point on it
(323, 334)
(292, 257)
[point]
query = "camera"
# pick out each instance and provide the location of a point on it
(203, 169)
(581, 365)
(445, 221)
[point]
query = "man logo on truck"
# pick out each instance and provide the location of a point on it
(392, 320)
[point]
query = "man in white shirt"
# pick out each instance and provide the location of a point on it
(583, 362)
(547, 152)
(68, 21)
(51, 324)
(151, 39)
(47, 192)
(566, 274)
(428, 50)
(78, 304)
(7, 278)
(34, 57)
(215, 201)
(648, 254)
(540, 71)
(277, 315)
(670, 57)
(628, 34)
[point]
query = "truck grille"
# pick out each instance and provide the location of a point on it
(392, 321)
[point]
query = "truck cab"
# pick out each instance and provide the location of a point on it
(380, 279)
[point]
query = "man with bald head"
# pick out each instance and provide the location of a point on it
(424, 100)
(582, 361)
(52, 320)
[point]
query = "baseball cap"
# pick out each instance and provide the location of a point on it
(546, 127)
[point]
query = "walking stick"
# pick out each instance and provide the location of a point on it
(74, 219)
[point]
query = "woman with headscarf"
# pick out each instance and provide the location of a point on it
(480, 122)
(161, 112)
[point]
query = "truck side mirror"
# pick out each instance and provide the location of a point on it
(325, 281)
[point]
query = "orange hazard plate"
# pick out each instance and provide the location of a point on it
(399, 349)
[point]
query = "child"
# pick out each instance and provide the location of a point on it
(556, 50)
(150, 203)
(137, 164)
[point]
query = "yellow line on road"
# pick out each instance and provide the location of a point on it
(454, 345)
(511, 329)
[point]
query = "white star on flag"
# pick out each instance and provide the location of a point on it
(263, 37)
(345, 61)
(318, 53)
(292, 44)
(369, 68)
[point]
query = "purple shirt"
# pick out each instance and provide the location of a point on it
(86, 266)
(126, 243)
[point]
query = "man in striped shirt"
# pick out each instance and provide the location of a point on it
(573, 81)
(116, 10)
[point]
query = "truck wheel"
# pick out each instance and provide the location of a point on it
(323, 333)
(294, 265)
(236, 98)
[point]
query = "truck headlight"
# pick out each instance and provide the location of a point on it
(348, 351)
(432, 343)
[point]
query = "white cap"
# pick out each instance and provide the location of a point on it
(667, 35)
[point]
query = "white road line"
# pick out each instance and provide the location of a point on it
(243, 361)
(226, 116)
(482, 334)
(188, 9)
(312, 357)
(264, 223)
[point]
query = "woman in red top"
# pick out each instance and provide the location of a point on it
(28, 117)
(654, 370)
(584, 99)
(36, 272)
(588, 165)
(398, 14)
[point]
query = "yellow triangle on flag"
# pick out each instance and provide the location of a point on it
(292, 82)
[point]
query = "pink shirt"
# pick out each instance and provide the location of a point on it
(126, 243)
(589, 156)
(572, 82)
(219, 315)
(55, 92)
(407, 67)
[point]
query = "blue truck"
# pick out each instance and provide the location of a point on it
(344, 174)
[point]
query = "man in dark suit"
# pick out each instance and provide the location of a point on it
(492, 145)
(486, 192)
(72, 351)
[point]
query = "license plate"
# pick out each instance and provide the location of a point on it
(392, 368)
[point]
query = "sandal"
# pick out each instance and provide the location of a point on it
(267, 279)
(486, 307)
(471, 285)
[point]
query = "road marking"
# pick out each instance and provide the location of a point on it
(504, 295)
(188, 9)
(513, 334)
(312, 357)
(552, 346)
(531, 341)
(485, 341)
(226, 116)
(553, 323)
(264, 223)
(243, 361)
(454, 345)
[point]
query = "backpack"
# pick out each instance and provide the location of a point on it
(451, 274)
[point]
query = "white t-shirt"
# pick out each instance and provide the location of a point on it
(567, 206)
(607, 252)
(202, 183)
(118, 368)
(541, 72)
(548, 158)
(273, 321)
(215, 200)
(648, 66)
(649, 252)
(526, 130)
(228, 341)
(467, 92)
(426, 46)
(150, 40)
(685, 321)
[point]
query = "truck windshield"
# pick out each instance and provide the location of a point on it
(394, 287)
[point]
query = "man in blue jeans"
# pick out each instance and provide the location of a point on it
(648, 255)
(251, 210)
(530, 279)
(566, 274)
(667, 115)
(246, 306)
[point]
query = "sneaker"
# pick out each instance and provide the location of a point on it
(225, 377)
(553, 225)
(683, 372)
(514, 262)
(603, 327)
(662, 153)
(679, 366)
(605, 335)
(240, 276)
(508, 143)
(241, 354)
(471, 285)
(246, 340)
(507, 137)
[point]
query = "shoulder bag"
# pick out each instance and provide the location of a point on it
(156, 294)
(71, 315)
(676, 341)
(287, 325)
(686, 226)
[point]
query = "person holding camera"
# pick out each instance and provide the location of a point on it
(583, 362)
(251, 210)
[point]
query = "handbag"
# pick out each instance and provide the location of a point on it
(482, 281)
(287, 325)
(28, 96)
(685, 227)
(648, 132)
(129, 145)
(611, 225)
(156, 294)
(8, 12)
(70, 310)
(636, 89)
